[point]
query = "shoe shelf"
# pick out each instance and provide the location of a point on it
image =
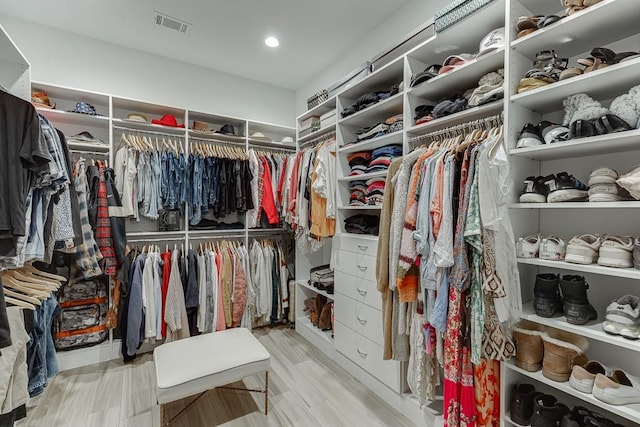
(601, 144)
(599, 84)
(457, 118)
(134, 126)
(629, 412)
(76, 119)
(317, 133)
(371, 114)
(305, 323)
(465, 76)
(360, 208)
(592, 330)
(372, 144)
(626, 273)
(577, 205)
(511, 422)
(363, 177)
(606, 22)
(305, 284)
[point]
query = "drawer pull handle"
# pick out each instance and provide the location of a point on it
(361, 354)
(362, 292)
(362, 267)
(362, 321)
(363, 247)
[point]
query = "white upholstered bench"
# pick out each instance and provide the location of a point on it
(195, 365)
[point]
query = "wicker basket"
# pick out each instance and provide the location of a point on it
(317, 99)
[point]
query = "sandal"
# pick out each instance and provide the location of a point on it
(619, 57)
(548, 20)
(527, 22)
(605, 55)
(570, 72)
(591, 64)
(610, 123)
(588, 3)
(528, 84)
(526, 32)
(582, 129)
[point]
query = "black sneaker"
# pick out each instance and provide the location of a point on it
(535, 190)
(530, 136)
(565, 188)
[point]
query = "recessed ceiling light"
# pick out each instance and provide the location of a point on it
(272, 41)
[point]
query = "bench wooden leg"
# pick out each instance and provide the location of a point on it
(266, 393)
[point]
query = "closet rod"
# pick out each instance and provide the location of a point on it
(238, 236)
(166, 239)
(271, 148)
(450, 131)
(89, 153)
(216, 141)
(132, 130)
(322, 138)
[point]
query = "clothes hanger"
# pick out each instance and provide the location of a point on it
(46, 274)
(10, 282)
(23, 297)
(19, 303)
(34, 283)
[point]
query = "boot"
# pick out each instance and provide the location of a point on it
(560, 350)
(547, 412)
(577, 309)
(529, 347)
(522, 403)
(320, 302)
(547, 301)
(325, 317)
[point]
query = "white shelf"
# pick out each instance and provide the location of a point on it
(463, 77)
(77, 119)
(381, 79)
(577, 205)
(601, 144)
(627, 273)
(359, 236)
(599, 84)
(511, 422)
(629, 412)
(319, 110)
(217, 232)
(316, 290)
(574, 34)
(128, 124)
(372, 144)
(592, 330)
(87, 146)
(363, 177)
(305, 322)
(318, 133)
(457, 118)
(155, 234)
(375, 113)
(360, 208)
(271, 144)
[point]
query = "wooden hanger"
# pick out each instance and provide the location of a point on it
(19, 303)
(24, 297)
(48, 275)
(10, 282)
(29, 282)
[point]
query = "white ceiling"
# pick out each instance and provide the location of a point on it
(227, 35)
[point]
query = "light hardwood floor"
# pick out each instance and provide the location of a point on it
(306, 388)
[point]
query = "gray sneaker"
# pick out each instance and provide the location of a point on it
(623, 317)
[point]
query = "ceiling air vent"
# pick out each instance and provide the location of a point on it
(171, 23)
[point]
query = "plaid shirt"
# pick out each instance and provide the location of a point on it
(87, 253)
(103, 230)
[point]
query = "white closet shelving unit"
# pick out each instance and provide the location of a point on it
(109, 127)
(357, 345)
(574, 37)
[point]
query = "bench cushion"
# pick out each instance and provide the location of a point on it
(193, 365)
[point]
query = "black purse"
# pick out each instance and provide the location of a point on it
(169, 220)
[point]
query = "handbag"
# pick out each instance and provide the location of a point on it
(169, 220)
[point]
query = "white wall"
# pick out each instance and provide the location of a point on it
(391, 31)
(66, 59)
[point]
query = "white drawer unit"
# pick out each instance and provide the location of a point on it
(368, 355)
(360, 317)
(361, 290)
(360, 266)
(356, 244)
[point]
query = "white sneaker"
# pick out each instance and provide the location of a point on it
(584, 376)
(616, 251)
(583, 249)
(527, 247)
(553, 248)
(631, 182)
(602, 175)
(623, 317)
(617, 389)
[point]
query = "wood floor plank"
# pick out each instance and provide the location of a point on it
(306, 389)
